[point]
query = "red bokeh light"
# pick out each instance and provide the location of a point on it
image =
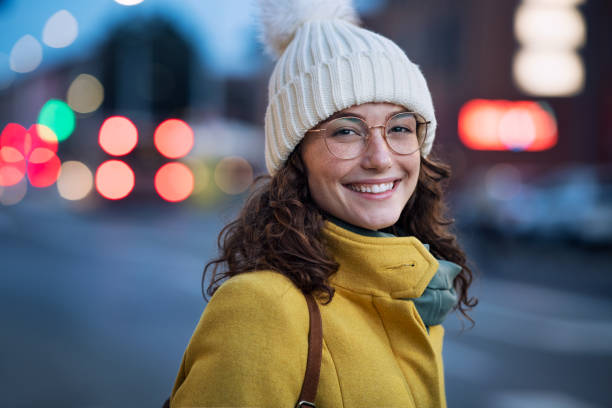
(173, 138)
(174, 182)
(31, 152)
(506, 125)
(12, 166)
(43, 167)
(118, 136)
(16, 136)
(114, 179)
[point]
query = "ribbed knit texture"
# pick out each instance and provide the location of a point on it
(331, 65)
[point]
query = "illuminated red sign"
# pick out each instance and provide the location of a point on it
(506, 125)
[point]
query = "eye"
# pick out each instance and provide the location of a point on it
(345, 132)
(401, 129)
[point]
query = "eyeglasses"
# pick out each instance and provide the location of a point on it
(348, 137)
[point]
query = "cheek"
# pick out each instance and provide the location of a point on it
(412, 166)
(312, 156)
(324, 174)
(323, 178)
(322, 169)
(321, 189)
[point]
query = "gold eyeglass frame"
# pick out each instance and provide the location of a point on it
(367, 144)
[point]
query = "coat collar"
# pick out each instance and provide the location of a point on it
(400, 267)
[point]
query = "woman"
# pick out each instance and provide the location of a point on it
(352, 212)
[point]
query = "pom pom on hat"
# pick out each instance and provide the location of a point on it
(280, 19)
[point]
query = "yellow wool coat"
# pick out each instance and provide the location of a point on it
(250, 347)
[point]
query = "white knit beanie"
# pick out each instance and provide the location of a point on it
(326, 63)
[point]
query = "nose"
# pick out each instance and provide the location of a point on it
(377, 155)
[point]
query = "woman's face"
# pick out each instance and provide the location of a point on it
(338, 186)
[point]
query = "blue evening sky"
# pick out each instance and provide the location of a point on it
(222, 31)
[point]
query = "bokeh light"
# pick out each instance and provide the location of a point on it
(75, 180)
(506, 125)
(11, 195)
(516, 129)
(12, 166)
(564, 3)
(544, 26)
(58, 116)
(129, 2)
(45, 135)
(85, 94)
(233, 175)
(173, 138)
(550, 73)
(60, 30)
(545, 123)
(16, 136)
(174, 182)
(114, 179)
(26, 54)
(201, 174)
(43, 167)
(30, 152)
(118, 136)
(205, 190)
(550, 33)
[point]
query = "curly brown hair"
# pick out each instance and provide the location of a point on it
(280, 229)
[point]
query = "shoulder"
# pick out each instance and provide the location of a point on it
(264, 281)
(258, 287)
(249, 309)
(258, 300)
(254, 326)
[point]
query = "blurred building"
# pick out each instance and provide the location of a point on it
(465, 49)
(150, 72)
(147, 66)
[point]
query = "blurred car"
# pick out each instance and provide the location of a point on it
(573, 204)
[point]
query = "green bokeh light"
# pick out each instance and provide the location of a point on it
(58, 116)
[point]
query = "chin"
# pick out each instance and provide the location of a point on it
(377, 224)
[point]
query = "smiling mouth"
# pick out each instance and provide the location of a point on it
(372, 188)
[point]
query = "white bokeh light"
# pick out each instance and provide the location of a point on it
(129, 2)
(565, 3)
(554, 73)
(61, 29)
(26, 54)
(550, 33)
(85, 94)
(550, 27)
(75, 180)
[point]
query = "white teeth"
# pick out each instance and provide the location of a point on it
(371, 188)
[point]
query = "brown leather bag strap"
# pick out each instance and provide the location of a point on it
(315, 348)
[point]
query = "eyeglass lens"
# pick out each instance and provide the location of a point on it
(347, 138)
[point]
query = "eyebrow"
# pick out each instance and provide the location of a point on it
(353, 114)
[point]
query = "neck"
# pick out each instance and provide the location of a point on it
(357, 230)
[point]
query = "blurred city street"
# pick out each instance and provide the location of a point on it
(130, 131)
(97, 309)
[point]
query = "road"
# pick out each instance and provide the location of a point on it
(97, 306)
